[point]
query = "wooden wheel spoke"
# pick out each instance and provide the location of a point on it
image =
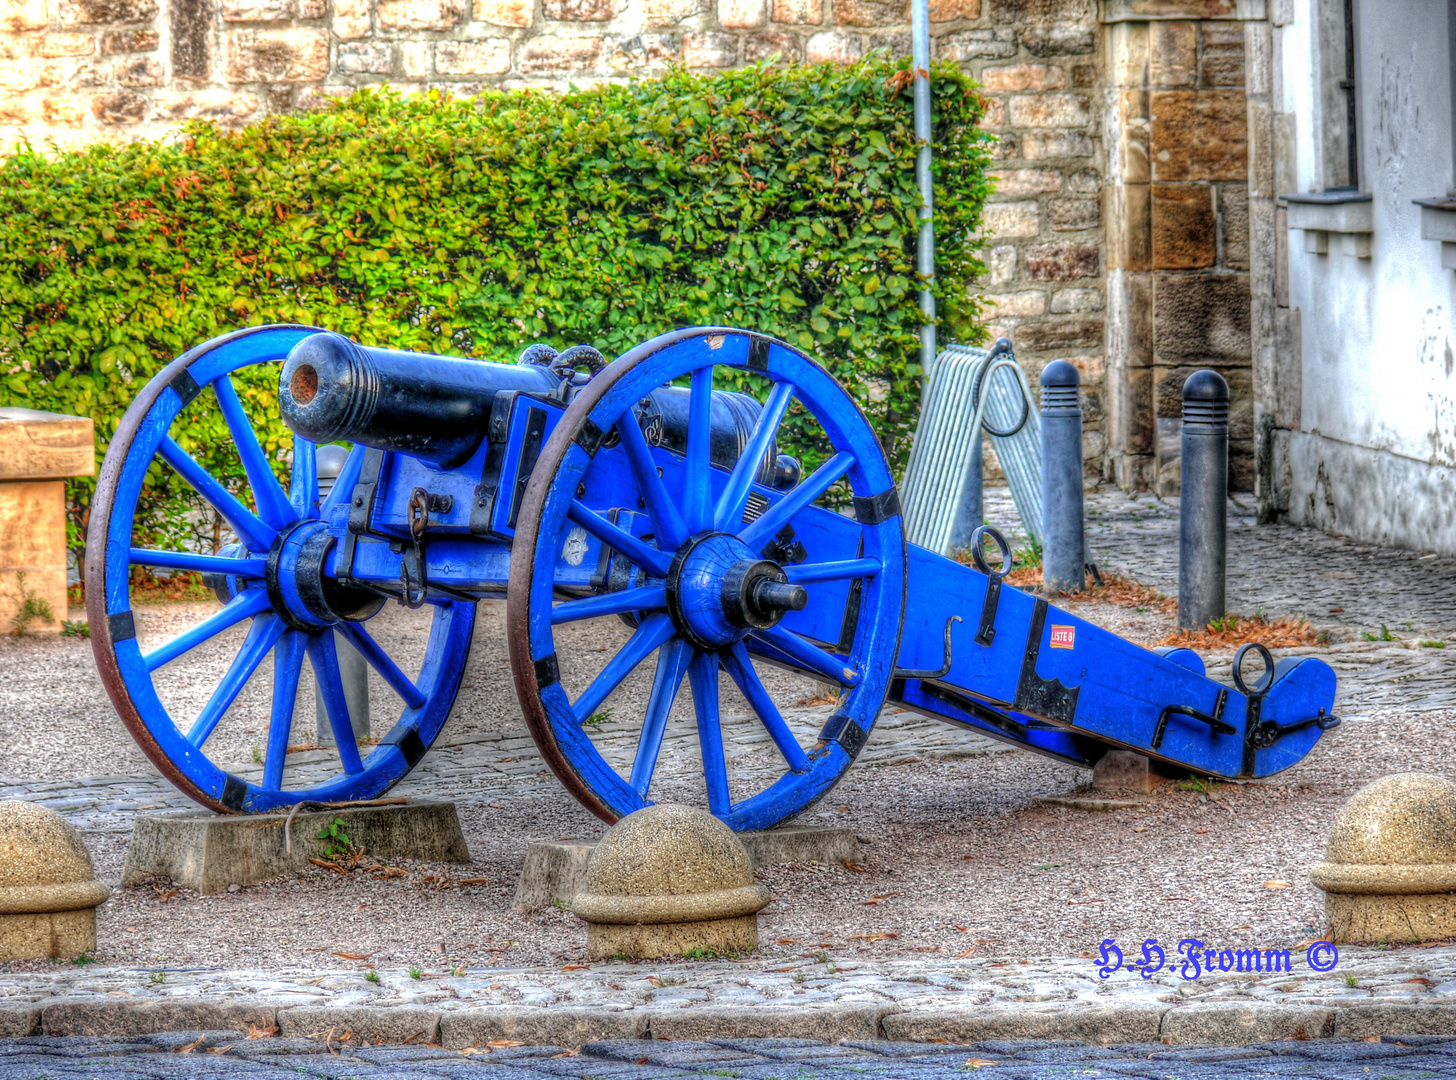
(808, 573)
(262, 636)
(672, 665)
(703, 673)
(740, 669)
(244, 605)
(654, 631)
(646, 598)
(696, 477)
(729, 512)
(620, 540)
(273, 505)
(250, 528)
(303, 489)
(381, 662)
(201, 564)
(762, 530)
(830, 668)
(287, 664)
(343, 488)
(324, 657)
(666, 520)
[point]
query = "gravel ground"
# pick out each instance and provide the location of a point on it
(960, 857)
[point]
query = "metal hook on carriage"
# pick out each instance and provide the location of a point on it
(910, 673)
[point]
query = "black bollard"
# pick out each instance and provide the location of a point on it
(1063, 547)
(1203, 500)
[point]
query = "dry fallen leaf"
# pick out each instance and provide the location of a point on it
(501, 1044)
(1276, 885)
(474, 881)
(786, 941)
(855, 867)
(978, 1063)
(164, 894)
(1139, 828)
(963, 955)
(353, 955)
(335, 867)
(190, 1046)
(576, 967)
(255, 1032)
(873, 937)
(873, 900)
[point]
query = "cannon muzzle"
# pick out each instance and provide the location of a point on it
(431, 407)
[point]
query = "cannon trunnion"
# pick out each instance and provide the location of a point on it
(640, 504)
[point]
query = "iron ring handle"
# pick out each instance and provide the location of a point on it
(979, 557)
(1001, 349)
(1264, 681)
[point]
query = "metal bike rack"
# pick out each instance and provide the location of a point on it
(969, 391)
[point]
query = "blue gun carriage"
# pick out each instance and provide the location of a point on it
(633, 492)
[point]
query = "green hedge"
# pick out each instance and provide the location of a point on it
(781, 199)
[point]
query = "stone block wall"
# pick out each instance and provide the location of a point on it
(1178, 250)
(77, 70)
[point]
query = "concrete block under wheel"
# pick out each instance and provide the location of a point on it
(557, 871)
(208, 852)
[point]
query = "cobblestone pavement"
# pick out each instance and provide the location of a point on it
(221, 1054)
(1334, 582)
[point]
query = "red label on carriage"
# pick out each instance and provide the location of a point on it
(1063, 637)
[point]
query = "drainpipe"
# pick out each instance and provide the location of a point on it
(925, 248)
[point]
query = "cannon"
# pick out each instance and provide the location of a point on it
(634, 492)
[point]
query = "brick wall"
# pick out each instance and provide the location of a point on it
(76, 70)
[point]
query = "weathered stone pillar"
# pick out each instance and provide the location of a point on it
(37, 451)
(1176, 121)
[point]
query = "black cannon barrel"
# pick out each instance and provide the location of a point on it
(432, 407)
(436, 407)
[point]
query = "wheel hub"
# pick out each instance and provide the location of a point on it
(719, 591)
(303, 593)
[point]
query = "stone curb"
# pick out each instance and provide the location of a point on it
(1228, 1024)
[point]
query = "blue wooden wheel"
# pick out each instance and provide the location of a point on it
(277, 575)
(688, 585)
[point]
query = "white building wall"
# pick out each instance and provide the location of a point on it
(1374, 451)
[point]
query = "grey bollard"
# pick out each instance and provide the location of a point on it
(353, 669)
(1203, 500)
(1063, 547)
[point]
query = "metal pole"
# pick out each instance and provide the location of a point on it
(925, 249)
(1203, 500)
(1063, 562)
(353, 669)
